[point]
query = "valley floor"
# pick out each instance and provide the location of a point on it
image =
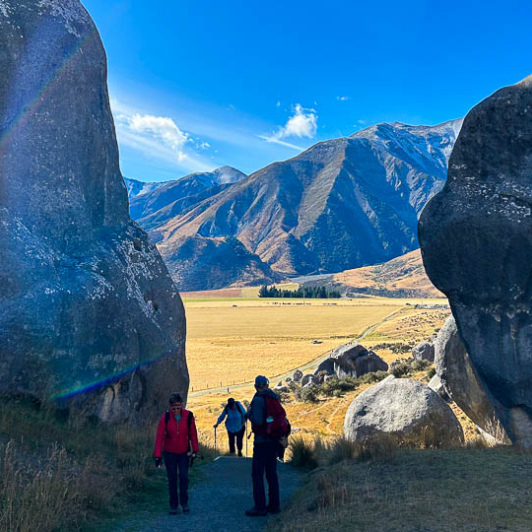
(230, 341)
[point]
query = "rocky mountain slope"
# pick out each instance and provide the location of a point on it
(403, 276)
(341, 204)
(146, 199)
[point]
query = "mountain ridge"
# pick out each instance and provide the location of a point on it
(367, 190)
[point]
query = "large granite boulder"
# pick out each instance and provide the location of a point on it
(423, 351)
(406, 410)
(88, 312)
(352, 360)
(476, 241)
(461, 382)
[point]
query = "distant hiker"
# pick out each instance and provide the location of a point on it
(177, 438)
(269, 424)
(235, 424)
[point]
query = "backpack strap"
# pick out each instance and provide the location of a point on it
(241, 410)
(190, 417)
(166, 420)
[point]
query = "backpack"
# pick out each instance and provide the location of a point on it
(167, 419)
(278, 427)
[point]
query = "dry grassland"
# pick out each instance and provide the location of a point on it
(232, 341)
(230, 344)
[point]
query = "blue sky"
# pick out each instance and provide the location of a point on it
(198, 85)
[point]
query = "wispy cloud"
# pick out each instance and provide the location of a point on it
(343, 98)
(280, 142)
(157, 136)
(302, 123)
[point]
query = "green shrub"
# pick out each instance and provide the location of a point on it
(335, 387)
(404, 367)
(308, 395)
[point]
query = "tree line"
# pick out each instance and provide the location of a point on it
(302, 292)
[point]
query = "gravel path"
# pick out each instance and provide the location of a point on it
(218, 500)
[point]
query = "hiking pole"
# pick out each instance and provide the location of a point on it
(246, 425)
(215, 450)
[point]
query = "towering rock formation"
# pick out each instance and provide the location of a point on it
(476, 240)
(86, 302)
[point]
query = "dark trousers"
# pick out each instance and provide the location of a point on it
(238, 436)
(265, 461)
(173, 463)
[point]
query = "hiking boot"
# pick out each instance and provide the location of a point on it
(254, 512)
(172, 511)
(186, 509)
(272, 510)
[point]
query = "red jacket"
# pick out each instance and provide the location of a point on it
(174, 438)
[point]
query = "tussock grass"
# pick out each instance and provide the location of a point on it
(437, 490)
(41, 499)
(320, 452)
(60, 474)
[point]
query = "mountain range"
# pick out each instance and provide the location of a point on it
(341, 204)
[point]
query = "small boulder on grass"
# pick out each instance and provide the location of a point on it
(298, 375)
(436, 385)
(423, 351)
(408, 410)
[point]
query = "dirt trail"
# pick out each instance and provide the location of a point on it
(218, 500)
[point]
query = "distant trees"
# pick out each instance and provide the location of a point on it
(302, 292)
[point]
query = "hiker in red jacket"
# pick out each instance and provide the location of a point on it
(177, 438)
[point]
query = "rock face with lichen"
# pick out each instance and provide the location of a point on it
(460, 381)
(86, 303)
(476, 241)
(405, 410)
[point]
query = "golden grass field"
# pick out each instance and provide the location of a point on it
(232, 340)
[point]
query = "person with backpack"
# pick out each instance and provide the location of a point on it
(235, 424)
(269, 425)
(177, 439)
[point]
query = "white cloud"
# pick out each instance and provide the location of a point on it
(278, 104)
(302, 123)
(343, 98)
(159, 128)
(156, 136)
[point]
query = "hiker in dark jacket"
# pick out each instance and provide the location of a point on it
(177, 438)
(235, 424)
(265, 450)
